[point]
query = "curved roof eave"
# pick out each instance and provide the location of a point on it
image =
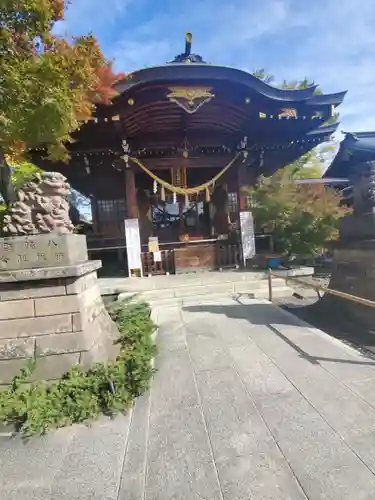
(361, 142)
(356, 147)
(196, 71)
(358, 135)
(324, 99)
(324, 129)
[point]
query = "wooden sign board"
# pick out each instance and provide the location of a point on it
(247, 236)
(133, 245)
(153, 244)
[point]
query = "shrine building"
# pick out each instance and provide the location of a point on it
(176, 150)
(356, 150)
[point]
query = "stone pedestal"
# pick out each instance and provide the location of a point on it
(50, 306)
(42, 250)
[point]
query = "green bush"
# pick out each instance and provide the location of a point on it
(302, 218)
(83, 395)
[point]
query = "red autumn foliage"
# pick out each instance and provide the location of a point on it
(50, 84)
(107, 78)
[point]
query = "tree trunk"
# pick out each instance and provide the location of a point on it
(6, 187)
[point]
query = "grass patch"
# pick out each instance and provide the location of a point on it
(83, 395)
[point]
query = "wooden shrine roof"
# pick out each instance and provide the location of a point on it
(210, 108)
(240, 105)
(356, 148)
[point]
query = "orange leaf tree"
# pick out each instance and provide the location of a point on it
(48, 85)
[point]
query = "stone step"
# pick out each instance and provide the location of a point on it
(207, 289)
(258, 290)
(203, 299)
(118, 285)
(206, 277)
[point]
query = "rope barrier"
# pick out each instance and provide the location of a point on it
(181, 190)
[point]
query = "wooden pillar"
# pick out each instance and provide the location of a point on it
(131, 194)
(219, 199)
(145, 224)
(246, 178)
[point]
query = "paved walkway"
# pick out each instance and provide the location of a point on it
(248, 403)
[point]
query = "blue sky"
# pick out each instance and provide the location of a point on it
(329, 41)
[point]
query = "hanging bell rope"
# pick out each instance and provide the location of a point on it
(185, 191)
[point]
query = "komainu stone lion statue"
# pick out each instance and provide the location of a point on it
(41, 206)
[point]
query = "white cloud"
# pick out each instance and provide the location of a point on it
(83, 16)
(337, 50)
(132, 55)
(221, 31)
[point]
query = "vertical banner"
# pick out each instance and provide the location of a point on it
(247, 236)
(133, 245)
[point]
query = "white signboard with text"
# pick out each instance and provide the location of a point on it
(133, 245)
(247, 235)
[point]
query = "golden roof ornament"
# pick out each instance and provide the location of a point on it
(190, 98)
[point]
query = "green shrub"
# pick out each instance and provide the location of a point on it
(84, 395)
(302, 218)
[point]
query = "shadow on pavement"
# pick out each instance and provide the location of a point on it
(336, 323)
(257, 314)
(269, 315)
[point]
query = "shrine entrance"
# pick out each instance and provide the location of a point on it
(172, 155)
(195, 228)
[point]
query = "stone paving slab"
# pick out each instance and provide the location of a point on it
(78, 462)
(248, 402)
(134, 470)
(279, 404)
(174, 387)
(179, 457)
(248, 460)
(32, 465)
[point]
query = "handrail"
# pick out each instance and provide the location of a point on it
(318, 288)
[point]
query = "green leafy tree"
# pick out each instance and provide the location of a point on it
(309, 165)
(301, 218)
(262, 74)
(266, 77)
(48, 85)
(23, 172)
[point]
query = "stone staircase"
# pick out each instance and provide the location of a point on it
(182, 289)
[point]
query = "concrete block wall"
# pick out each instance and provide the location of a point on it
(62, 321)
